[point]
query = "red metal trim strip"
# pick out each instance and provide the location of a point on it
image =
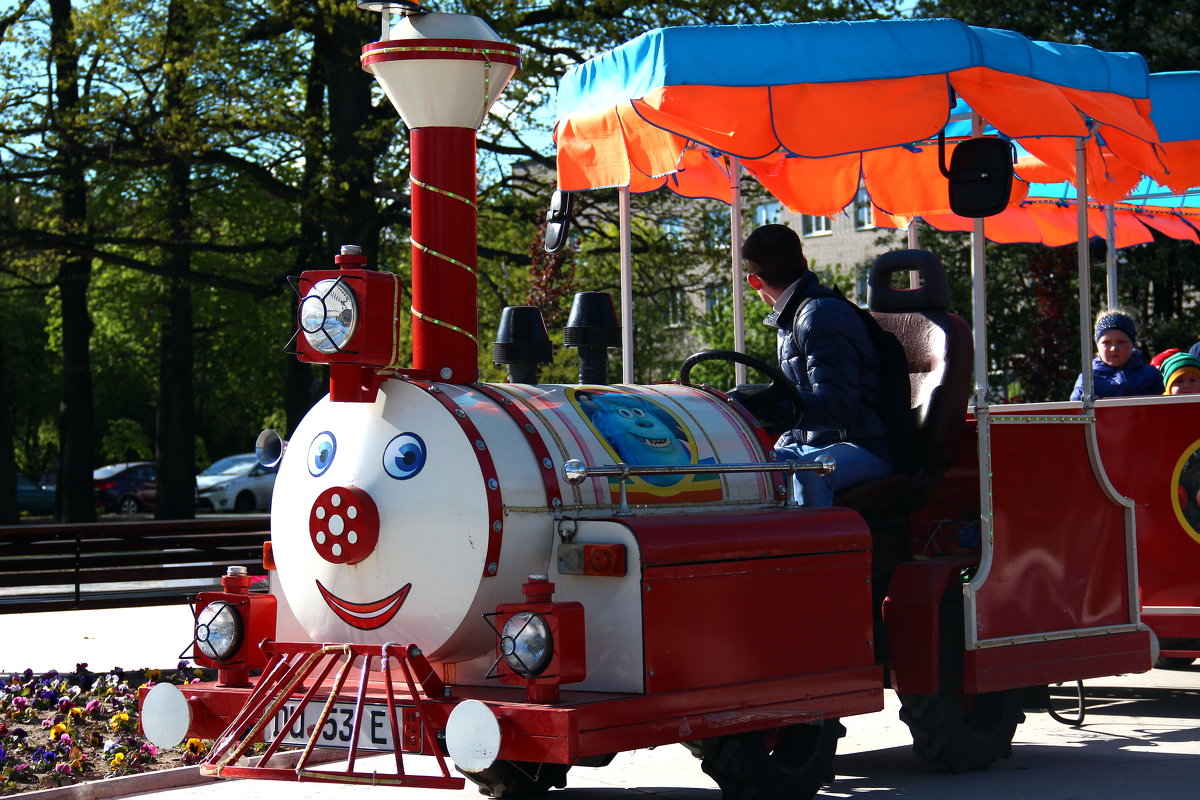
(491, 478)
(540, 450)
(455, 49)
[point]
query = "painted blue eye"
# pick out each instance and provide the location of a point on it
(321, 453)
(404, 456)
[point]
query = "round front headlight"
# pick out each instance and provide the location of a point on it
(526, 644)
(218, 631)
(329, 315)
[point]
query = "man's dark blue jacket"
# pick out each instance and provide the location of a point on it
(833, 364)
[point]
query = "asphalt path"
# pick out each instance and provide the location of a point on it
(1140, 738)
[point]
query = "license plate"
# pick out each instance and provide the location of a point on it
(374, 733)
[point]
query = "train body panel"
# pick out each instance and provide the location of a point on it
(408, 518)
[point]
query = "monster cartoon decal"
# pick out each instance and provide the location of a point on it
(1185, 490)
(637, 430)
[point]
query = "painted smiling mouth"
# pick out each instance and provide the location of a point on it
(365, 616)
(655, 442)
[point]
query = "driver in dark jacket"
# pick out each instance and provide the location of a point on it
(826, 352)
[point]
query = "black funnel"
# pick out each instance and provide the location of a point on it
(592, 327)
(522, 343)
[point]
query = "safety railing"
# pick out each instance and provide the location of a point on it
(123, 564)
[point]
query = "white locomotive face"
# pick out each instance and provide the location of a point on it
(380, 522)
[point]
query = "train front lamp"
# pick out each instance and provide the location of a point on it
(329, 315)
(219, 631)
(526, 644)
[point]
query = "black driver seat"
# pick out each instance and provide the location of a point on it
(939, 349)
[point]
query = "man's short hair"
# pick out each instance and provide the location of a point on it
(774, 253)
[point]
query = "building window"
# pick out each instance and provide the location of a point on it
(677, 308)
(864, 212)
(767, 213)
(716, 296)
(814, 226)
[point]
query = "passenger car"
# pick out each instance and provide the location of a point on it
(236, 483)
(128, 487)
(33, 498)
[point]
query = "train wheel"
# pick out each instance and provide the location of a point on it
(952, 730)
(517, 779)
(1173, 663)
(792, 762)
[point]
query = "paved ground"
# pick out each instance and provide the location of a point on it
(1139, 740)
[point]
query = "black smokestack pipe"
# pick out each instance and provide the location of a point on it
(592, 327)
(522, 343)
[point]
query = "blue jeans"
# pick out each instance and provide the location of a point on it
(855, 464)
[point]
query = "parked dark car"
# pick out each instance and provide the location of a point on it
(128, 487)
(33, 498)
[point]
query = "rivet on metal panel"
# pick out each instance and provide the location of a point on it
(434, 389)
(546, 463)
(647, 588)
(493, 484)
(446, 373)
(479, 445)
(556, 502)
(497, 525)
(529, 427)
(458, 412)
(491, 568)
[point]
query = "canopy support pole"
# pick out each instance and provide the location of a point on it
(1086, 346)
(626, 287)
(1110, 237)
(914, 242)
(983, 421)
(735, 242)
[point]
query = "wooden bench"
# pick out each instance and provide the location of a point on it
(152, 562)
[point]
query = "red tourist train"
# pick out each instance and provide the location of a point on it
(520, 578)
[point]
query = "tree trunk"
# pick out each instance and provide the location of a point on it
(8, 468)
(176, 420)
(300, 393)
(76, 423)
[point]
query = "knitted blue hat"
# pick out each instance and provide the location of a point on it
(1115, 319)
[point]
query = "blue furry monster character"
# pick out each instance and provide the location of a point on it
(633, 428)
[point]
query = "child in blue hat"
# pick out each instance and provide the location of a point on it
(1118, 369)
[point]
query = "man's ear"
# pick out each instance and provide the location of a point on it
(754, 281)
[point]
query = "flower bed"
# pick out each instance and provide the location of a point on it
(62, 728)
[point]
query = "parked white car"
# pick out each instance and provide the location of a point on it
(236, 483)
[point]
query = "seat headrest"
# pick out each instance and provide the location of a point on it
(933, 293)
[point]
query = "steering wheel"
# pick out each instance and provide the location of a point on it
(773, 404)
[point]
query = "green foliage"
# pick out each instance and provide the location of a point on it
(125, 440)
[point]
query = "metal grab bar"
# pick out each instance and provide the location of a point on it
(576, 472)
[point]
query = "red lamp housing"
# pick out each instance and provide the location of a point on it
(568, 659)
(349, 318)
(256, 614)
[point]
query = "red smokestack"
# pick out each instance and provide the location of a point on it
(442, 72)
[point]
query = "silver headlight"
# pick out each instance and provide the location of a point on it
(329, 315)
(526, 644)
(218, 631)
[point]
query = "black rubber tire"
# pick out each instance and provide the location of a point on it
(1164, 662)
(129, 505)
(746, 767)
(244, 503)
(953, 731)
(516, 779)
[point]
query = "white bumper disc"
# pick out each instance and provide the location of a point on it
(473, 736)
(166, 715)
